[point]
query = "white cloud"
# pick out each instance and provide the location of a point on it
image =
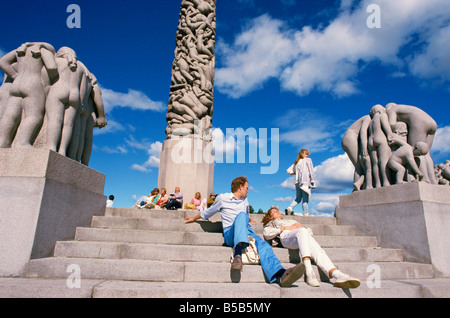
(153, 150)
(309, 129)
(284, 199)
(133, 99)
(434, 62)
(288, 183)
(441, 142)
(334, 174)
(257, 54)
(329, 58)
(110, 150)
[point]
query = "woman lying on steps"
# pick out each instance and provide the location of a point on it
(294, 235)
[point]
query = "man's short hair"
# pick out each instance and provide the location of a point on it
(237, 183)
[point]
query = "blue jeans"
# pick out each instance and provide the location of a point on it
(239, 233)
(300, 196)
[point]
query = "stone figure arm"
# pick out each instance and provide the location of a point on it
(395, 139)
(96, 95)
(386, 125)
(48, 57)
(364, 136)
(392, 116)
(6, 64)
(413, 165)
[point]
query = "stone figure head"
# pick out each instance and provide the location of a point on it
(70, 55)
(377, 109)
(390, 105)
(420, 149)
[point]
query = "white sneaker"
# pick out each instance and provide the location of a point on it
(342, 280)
(306, 214)
(288, 211)
(312, 280)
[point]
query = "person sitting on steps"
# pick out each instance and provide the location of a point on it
(234, 210)
(293, 235)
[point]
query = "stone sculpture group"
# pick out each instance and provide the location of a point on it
(191, 94)
(391, 146)
(44, 86)
(442, 172)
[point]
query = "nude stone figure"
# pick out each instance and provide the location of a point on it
(95, 118)
(404, 157)
(355, 143)
(27, 95)
(391, 146)
(63, 101)
(421, 128)
(40, 84)
(380, 152)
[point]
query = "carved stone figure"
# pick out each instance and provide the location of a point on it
(354, 143)
(379, 150)
(403, 158)
(391, 146)
(442, 173)
(63, 101)
(421, 128)
(27, 94)
(40, 83)
(192, 96)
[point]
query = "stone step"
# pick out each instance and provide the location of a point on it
(211, 272)
(182, 213)
(388, 289)
(200, 238)
(160, 224)
(161, 252)
(57, 288)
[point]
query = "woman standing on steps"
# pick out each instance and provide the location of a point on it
(304, 180)
(293, 235)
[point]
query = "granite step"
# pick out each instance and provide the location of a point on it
(162, 224)
(182, 213)
(213, 272)
(57, 288)
(152, 253)
(165, 252)
(199, 238)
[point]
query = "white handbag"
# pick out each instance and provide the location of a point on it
(250, 254)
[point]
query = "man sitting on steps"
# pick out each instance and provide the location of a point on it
(234, 210)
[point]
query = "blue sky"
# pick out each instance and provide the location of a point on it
(308, 68)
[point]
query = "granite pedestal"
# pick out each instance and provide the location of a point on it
(187, 163)
(413, 216)
(43, 198)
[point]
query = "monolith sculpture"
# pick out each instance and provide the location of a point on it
(186, 159)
